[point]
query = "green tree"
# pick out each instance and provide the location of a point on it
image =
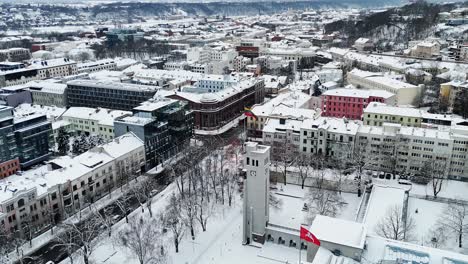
(63, 140)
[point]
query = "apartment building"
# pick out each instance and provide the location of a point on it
(164, 125)
(350, 103)
(449, 91)
(404, 150)
(108, 94)
(51, 193)
(93, 121)
(376, 114)
(39, 70)
(331, 137)
(283, 136)
(406, 94)
(48, 93)
(293, 105)
(15, 54)
(390, 148)
(9, 161)
(55, 68)
(95, 66)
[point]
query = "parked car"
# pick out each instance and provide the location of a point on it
(405, 182)
(375, 174)
(388, 176)
(348, 171)
(381, 175)
(403, 177)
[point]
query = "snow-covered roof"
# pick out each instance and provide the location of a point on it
(381, 200)
(48, 87)
(112, 85)
(101, 115)
(42, 179)
(339, 231)
(333, 125)
(293, 100)
(154, 104)
(383, 109)
(359, 93)
(381, 249)
(51, 112)
(213, 97)
(91, 64)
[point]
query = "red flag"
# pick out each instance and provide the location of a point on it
(309, 237)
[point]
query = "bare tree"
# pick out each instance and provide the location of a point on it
(123, 204)
(6, 246)
(393, 225)
(189, 208)
(204, 209)
(173, 221)
(142, 239)
(80, 237)
(105, 217)
(437, 236)
(231, 185)
(435, 172)
(455, 220)
(324, 202)
(303, 165)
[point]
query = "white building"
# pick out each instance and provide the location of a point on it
(363, 44)
(55, 68)
(95, 66)
(93, 121)
(406, 94)
(51, 193)
(48, 93)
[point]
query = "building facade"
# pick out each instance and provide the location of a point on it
(350, 103)
(49, 93)
(93, 121)
(164, 125)
(216, 112)
(9, 162)
(33, 135)
(49, 194)
(111, 95)
(406, 94)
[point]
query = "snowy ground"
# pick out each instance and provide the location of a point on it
(292, 199)
(428, 212)
(450, 189)
(221, 243)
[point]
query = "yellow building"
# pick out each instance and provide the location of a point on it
(376, 114)
(449, 91)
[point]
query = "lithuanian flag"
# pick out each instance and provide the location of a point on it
(248, 112)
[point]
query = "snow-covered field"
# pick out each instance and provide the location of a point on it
(428, 213)
(221, 243)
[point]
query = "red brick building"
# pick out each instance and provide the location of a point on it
(350, 103)
(9, 167)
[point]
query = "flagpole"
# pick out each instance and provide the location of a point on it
(300, 247)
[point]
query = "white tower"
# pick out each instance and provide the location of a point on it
(256, 192)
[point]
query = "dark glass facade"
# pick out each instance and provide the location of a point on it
(89, 94)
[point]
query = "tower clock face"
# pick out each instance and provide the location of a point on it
(253, 173)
